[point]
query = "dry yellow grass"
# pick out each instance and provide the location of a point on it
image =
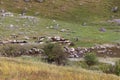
(16, 69)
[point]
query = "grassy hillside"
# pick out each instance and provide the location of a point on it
(68, 16)
(17, 69)
(93, 12)
(88, 35)
(68, 10)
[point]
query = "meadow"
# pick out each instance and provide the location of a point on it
(86, 23)
(87, 35)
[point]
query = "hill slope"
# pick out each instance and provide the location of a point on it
(70, 10)
(12, 69)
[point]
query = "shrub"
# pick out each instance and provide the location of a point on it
(13, 50)
(90, 59)
(55, 53)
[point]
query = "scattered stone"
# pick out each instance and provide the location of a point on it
(7, 14)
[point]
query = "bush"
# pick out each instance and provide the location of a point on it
(55, 53)
(13, 50)
(90, 59)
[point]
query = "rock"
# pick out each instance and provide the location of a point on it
(26, 38)
(14, 36)
(47, 27)
(2, 11)
(51, 27)
(84, 24)
(76, 39)
(1, 2)
(63, 30)
(56, 38)
(116, 21)
(56, 26)
(115, 9)
(36, 13)
(72, 49)
(16, 0)
(11, 25)
(7, 14)
(34, 37)
(63, 8)
(27, 0)
(102, 29)
(81, 4)
(24, 11)
(15, 41)
(41, 38)
(54, 21)
(40, 1)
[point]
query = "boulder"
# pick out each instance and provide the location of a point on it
(115, 9)
(102, 29)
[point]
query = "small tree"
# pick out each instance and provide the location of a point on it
(55, 53)
(91, 59)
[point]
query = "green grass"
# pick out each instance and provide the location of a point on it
(88, 35)
(70, 15)
(68, 10)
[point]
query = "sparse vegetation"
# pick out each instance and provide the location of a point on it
(113, 69)
(18, 69)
